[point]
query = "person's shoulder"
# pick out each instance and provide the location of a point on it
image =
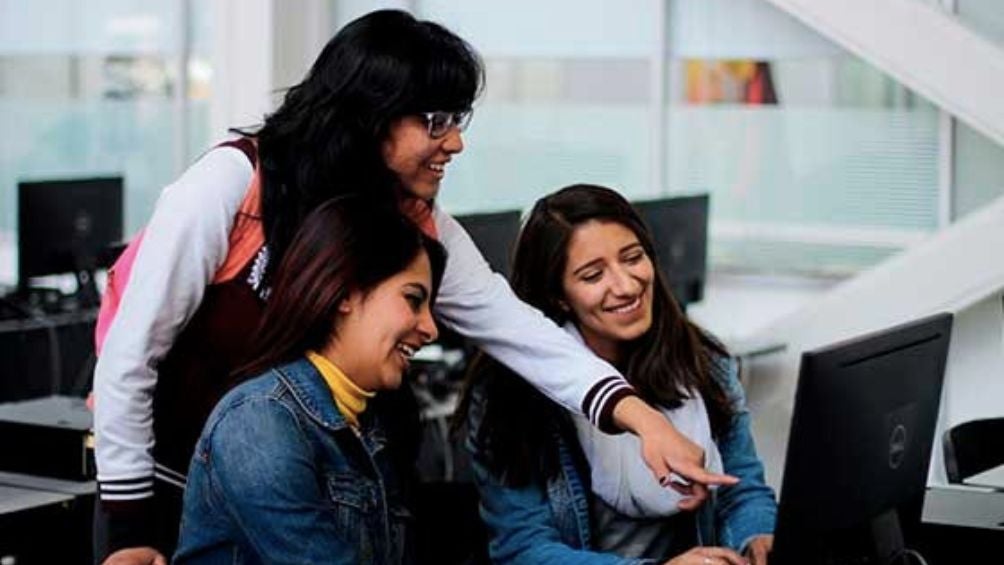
(225, 164)
(254, 397)
(247, 146)
(224, 170)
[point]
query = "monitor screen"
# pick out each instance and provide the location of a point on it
(64, 226)
(860, 445)
(494, 234)
(679, 227)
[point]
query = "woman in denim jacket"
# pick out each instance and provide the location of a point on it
(553, 491)
(291, 467)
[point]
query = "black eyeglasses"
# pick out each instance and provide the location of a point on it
(440, 123)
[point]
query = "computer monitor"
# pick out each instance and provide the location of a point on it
(42, 357)
(494, 234)
(679, 227)
(64, 226)
(860, 444)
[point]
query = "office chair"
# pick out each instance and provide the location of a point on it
(973, 447)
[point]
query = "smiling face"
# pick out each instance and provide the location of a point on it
(381, 330)
(607, 286)
(418, 159)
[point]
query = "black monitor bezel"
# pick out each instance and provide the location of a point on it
(30, 208)
(687, 279)
(816, 503)
(508, 221)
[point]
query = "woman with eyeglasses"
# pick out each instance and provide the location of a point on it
(380, 113)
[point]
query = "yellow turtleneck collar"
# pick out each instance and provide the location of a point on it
(350, 399)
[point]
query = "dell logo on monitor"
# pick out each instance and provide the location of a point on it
(897, 446)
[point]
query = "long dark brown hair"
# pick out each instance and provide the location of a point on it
(325, 138)
(673, 357)
(348, 243)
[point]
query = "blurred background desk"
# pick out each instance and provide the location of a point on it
(45, 520)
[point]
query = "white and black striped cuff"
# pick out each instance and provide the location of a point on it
(126, 489)
(598, 405)
(140, 487)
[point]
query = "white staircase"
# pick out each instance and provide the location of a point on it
(921, 46)
(959, 270)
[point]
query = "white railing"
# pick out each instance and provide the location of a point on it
(921, 46)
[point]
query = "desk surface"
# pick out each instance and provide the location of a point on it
(37, 483)
(67, 412)
(15, 499)
(87, 315)
(961, 505)
(993, 478)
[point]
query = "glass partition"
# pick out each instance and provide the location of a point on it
(90, 89)
(568, 98)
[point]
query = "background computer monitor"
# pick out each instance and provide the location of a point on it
(65, 226)
(46, 356)
(494, 234)
(860, 444)
(679, 227)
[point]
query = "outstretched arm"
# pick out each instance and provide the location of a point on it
(666, 452)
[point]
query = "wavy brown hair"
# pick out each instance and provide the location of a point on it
(672, 358)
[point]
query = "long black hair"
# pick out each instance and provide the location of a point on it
(325, 138)
(668, 361)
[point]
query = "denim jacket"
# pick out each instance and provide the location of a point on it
(278, 476)
(531, 524)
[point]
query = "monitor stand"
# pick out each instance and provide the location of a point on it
(887, 537)
(87, 295)
(34, 301)
(876, 542)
